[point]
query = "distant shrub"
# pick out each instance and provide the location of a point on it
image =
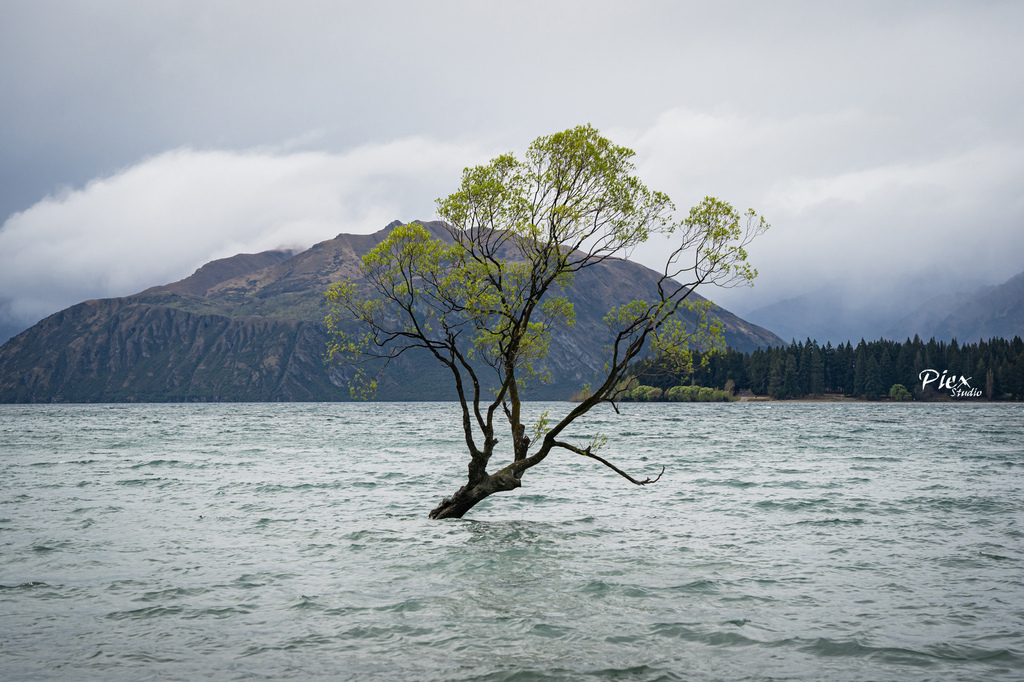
(675, 394)
(642, 394)
(692, 394)
(899, 392)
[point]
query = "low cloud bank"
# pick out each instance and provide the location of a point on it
(869, 207)
(159, 220)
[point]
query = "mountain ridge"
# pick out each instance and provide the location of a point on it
(223, 269)
(837, 316)
(250, 327)
(992, 311)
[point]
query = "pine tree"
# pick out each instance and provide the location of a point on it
(827, 360)
(817, 371)
(777, 376)
(791, 382)
(885, 368)
(859, 376)
(804, 370)
(873, 387)
(905, 364)
(848, 369)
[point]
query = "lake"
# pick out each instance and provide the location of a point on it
(786, 541)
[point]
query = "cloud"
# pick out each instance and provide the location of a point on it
(882, 141)
(160, 219)
(853, 204)
(957, 181)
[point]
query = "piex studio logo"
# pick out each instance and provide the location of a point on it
(958, 387)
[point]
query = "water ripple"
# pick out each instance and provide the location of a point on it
(786, 541)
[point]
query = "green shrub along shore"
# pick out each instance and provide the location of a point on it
(871, 370)
(639, 393)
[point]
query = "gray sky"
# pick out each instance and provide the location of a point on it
(883, 141)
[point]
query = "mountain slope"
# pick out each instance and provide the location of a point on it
(250, 328)
(996, 311)
(217, 271)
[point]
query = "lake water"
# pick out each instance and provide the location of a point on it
(269, 541)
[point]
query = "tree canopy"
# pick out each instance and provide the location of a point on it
(485, 302)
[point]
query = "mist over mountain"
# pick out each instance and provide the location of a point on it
(250, 328)
(829, 314)
(968, 317)
(838, 315)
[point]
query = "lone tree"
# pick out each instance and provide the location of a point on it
(484, 304)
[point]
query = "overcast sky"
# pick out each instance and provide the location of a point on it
(884, 142)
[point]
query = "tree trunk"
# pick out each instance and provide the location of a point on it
(467, 496)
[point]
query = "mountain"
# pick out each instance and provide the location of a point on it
(923, 306)
(249, 328)
(831, 314)
(819, 316)
(983, 314)
(217, 271)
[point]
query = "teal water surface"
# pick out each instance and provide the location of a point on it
(270, 541)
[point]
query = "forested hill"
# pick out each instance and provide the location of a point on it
(249, 328)
(868, 370)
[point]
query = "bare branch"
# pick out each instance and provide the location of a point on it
(587, 453)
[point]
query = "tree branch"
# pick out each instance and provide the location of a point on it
(620, 472)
